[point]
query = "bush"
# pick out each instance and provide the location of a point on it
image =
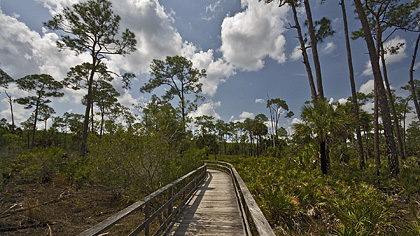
(136, 164)
(361, 210)
(10, 146)
(37, 166)
(272, 152)
(413, 228)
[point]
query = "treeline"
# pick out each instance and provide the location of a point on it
(334, 122)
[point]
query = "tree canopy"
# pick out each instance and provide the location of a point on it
(92, 27)
(178, 73)
(5, 79)
(44, 86)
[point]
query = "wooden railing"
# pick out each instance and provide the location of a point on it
(253, 219)
(160, 204)
(155, 206)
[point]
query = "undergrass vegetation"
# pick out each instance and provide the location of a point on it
(300, 200)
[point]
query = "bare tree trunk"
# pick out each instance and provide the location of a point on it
(383, 101)
(92, 122)
(87, 111)
(314, 46)
(376, 141)
(183, 111)
(102, 123)
(376, 152)
(224, 146)
(391, 102)
(411, 82)
(367, 145)
(404, 125)
(353, 88)
(11, 110)
(322, 150)
(304, 53)
(34, 126)
(258, 146)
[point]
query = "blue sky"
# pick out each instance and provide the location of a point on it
(246, 46)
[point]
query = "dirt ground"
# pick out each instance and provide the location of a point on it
(54, 208)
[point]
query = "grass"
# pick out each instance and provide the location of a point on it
(299, 200)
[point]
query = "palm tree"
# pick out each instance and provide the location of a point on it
(322, 120)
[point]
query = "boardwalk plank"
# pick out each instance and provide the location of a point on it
(213, 210)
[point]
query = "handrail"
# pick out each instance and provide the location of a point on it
(251, 213)
(198, 175)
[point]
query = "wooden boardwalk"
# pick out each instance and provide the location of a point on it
(213, 210)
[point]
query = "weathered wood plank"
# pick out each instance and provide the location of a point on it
(213, 210)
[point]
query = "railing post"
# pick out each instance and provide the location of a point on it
(171, 205)
(147, 214)
(183, 184)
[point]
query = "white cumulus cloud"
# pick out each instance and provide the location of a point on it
(390, 58)
(56, 6)
(342, 101)
(328, 48)
(246, 114)
(207, 109)
(155, 35)
(367, 87)
(297, 121)
(296, 54)
(253, 34)
(25, 51)
(217, 70)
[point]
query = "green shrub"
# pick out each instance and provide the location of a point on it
(272, 152)
(361, 210)
(409, 177)
(279, 205)
(413, 228)
(300, 200)
(10, 146)
(37, 165)
(136, 164)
